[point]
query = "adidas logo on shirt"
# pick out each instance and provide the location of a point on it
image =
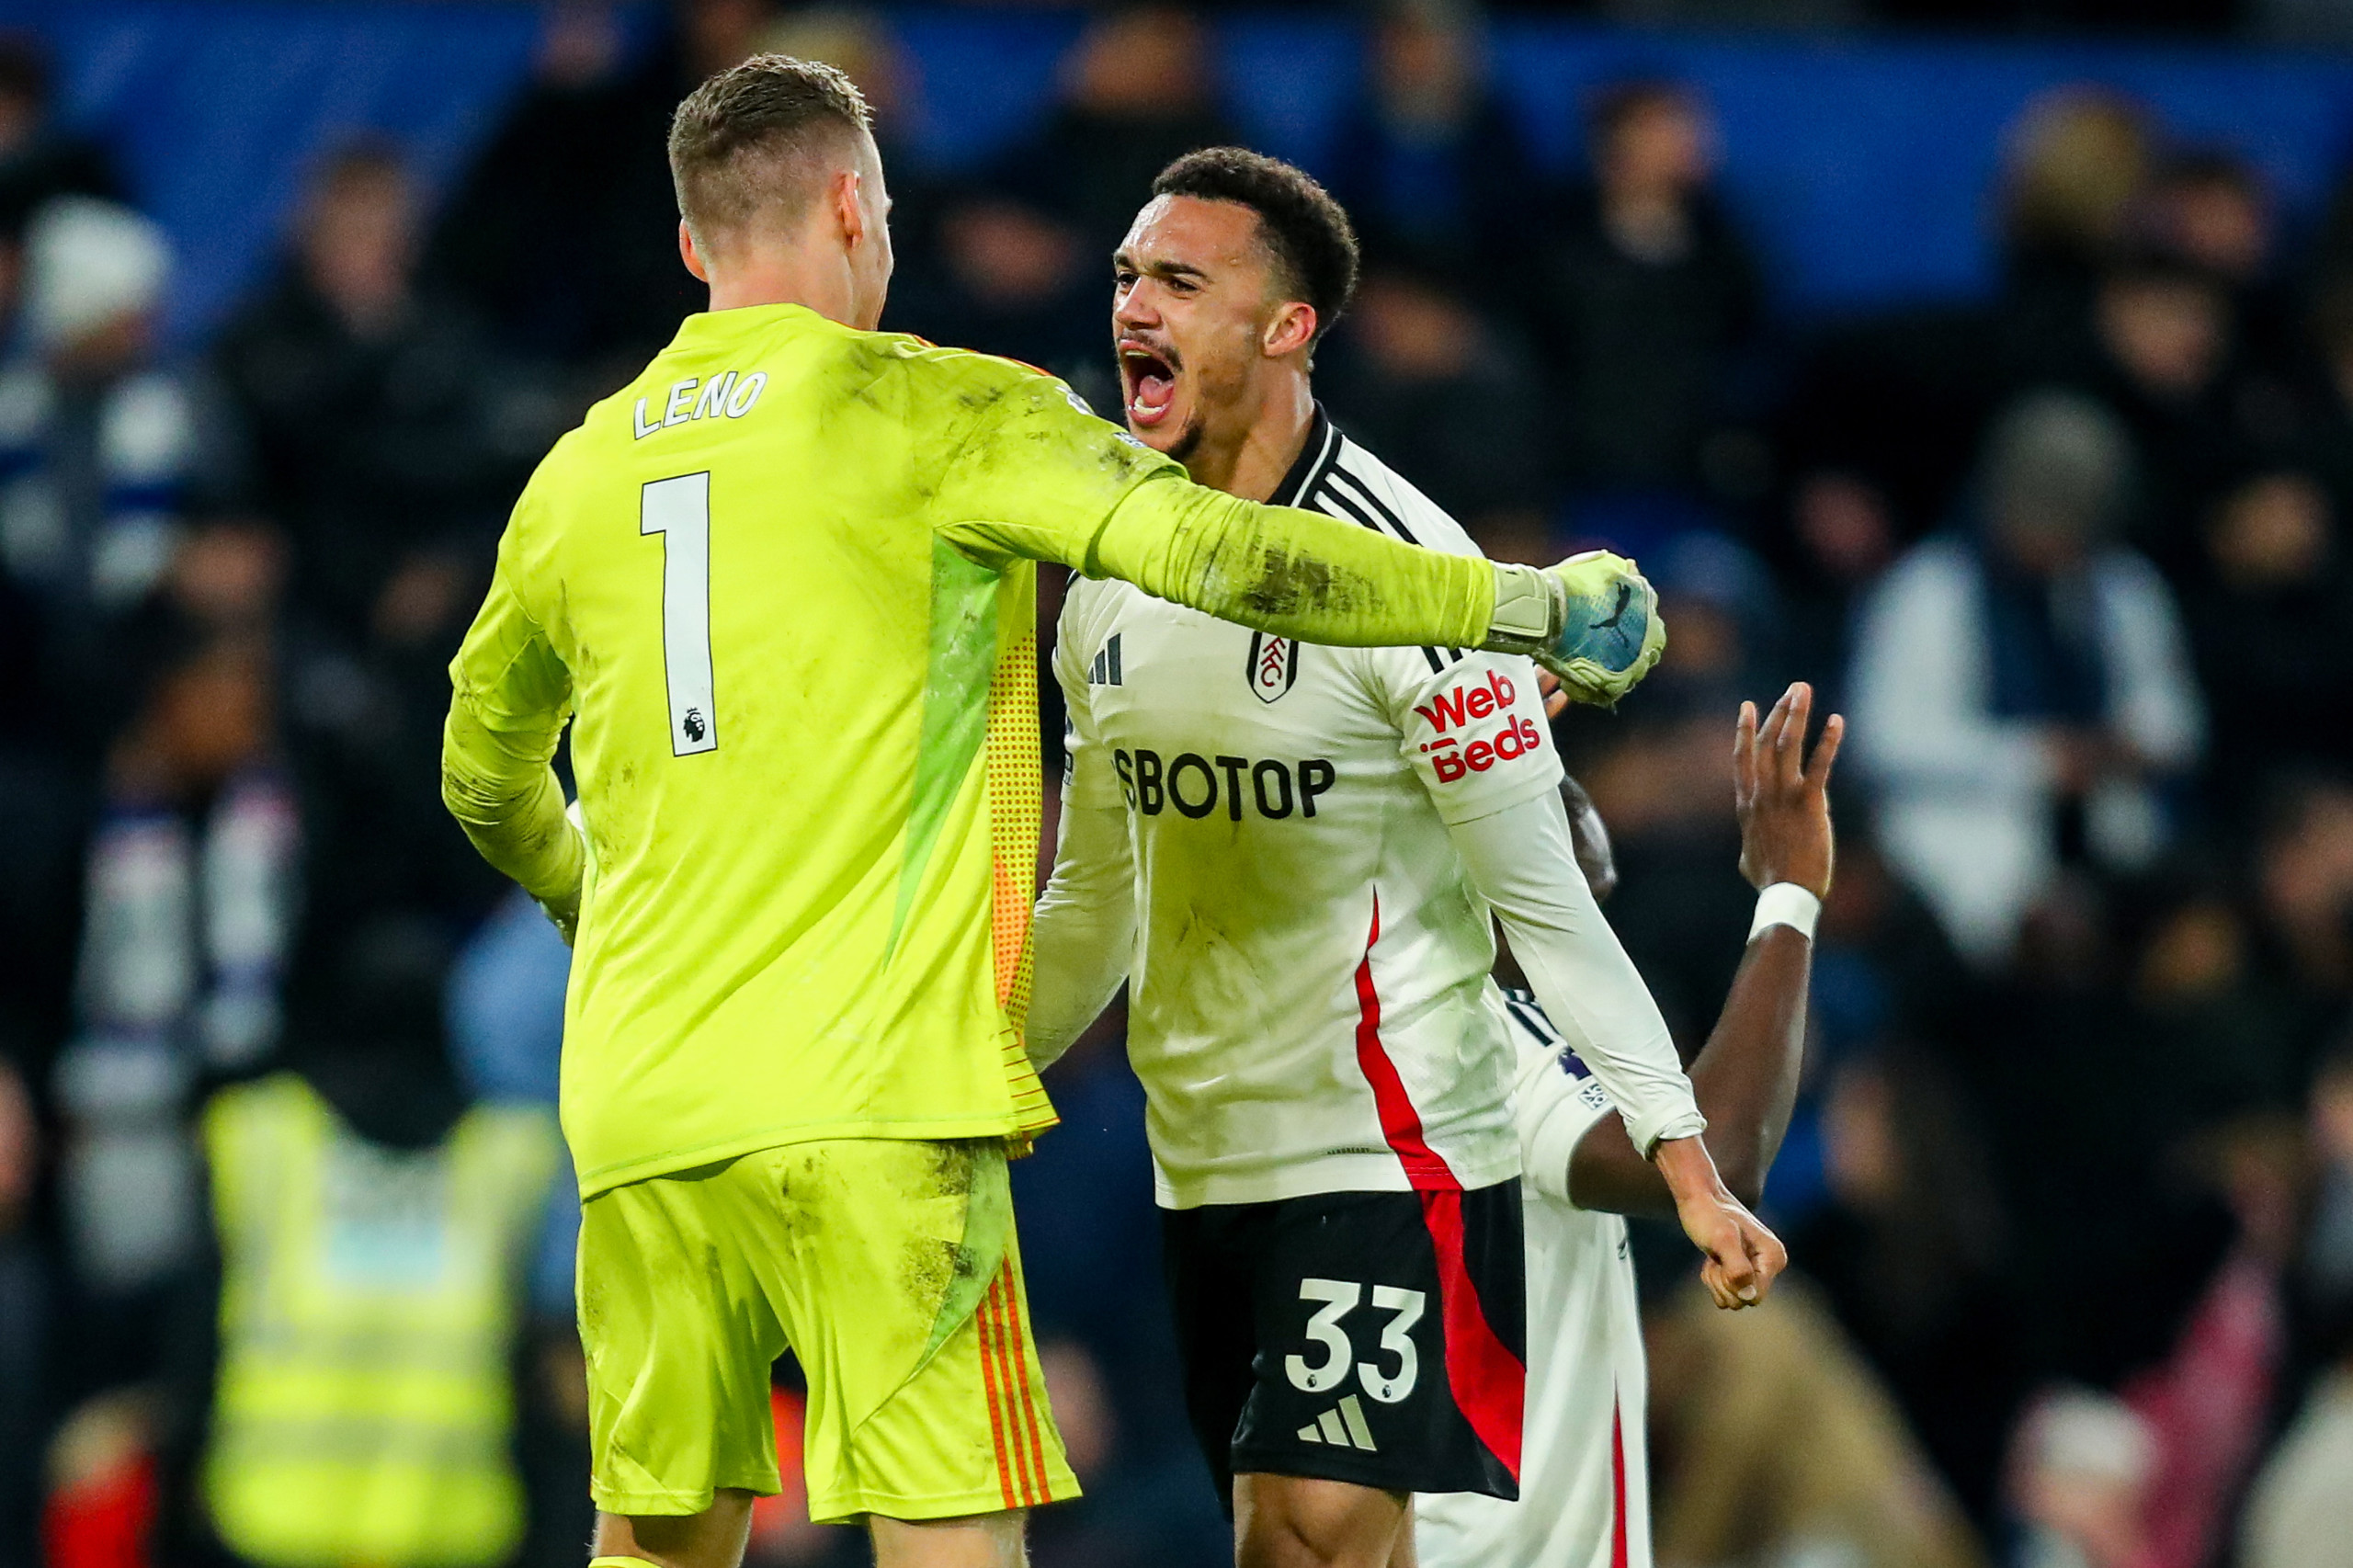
(1343, 1427)
(1105, 670)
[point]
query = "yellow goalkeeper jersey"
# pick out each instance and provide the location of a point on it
(781, 586)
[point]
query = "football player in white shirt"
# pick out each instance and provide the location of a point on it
(1291, 854)
(1584, 1481)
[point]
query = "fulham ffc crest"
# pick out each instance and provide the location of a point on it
(1274, 665)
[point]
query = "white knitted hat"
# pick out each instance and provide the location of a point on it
(88, 263)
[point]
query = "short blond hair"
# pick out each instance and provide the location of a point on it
(743, 141)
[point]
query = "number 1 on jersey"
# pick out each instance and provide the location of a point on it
(679, 510)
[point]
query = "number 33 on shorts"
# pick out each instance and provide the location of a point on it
(1340, 1297)
(1319, 1336)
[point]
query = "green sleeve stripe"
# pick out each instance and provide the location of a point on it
(955, 710)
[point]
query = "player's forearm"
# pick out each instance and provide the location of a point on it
(1297, 573)
(499, 787)
(1745, 1079)
(1084, 935)
(1523, 861)
(1746, 1076)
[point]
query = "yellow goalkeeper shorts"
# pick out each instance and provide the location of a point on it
(888, 1266)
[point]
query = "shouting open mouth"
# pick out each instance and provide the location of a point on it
(1148, 376)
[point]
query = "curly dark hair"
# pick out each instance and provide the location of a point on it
(1309, 235)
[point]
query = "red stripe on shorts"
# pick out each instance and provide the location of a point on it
(1009, 1367)
(1021, 1361)
(1617, 1485)
(1489, 1384)
(997, 1416)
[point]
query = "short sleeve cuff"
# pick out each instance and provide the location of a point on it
(1555, 1143)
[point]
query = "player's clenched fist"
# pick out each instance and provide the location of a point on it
(1611, 632)
(1743, 1257)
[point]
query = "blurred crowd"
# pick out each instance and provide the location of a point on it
(2071, 1190)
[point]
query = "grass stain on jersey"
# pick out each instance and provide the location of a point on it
(958, 1275)
(1284, 584)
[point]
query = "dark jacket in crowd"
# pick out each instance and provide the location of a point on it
(565, 233)
(364, 448)
(1641, 352)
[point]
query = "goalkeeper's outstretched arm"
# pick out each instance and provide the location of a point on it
(1037, 476)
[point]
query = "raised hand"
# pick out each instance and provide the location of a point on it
(1783, 796)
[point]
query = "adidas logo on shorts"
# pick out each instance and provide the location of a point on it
(1343, 1427)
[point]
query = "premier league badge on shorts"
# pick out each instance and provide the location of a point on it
(1274, 665)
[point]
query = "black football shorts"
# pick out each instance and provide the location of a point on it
(1373, 1337)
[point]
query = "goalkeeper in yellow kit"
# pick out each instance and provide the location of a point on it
(782, 587)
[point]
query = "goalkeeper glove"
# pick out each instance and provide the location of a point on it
(1592, 621)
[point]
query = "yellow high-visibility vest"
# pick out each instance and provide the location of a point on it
(364, 1405)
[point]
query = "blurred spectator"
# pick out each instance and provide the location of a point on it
(102, 1484)
(1006, 277)
(2271, 628)
(2208, 1404)
(1646, 297)
(865, 44)
(2087, 1119)
(1419, 373)
(1776, 1446)
(2162, 354)
(2080, 1477)
(505, 1017)
(39, 161)
(2145, 1480)
(860, 41)
(26, 1305)
(1876, 433)
(2076, 160)
(1135, 96)
(2218, 1042)
(191, 884)
(44, 814)
(2295, 1518)
(1725, 613)
(1427, 161)
(2327, 445)
(1911, 1252)
(2327, 1265)
(2304, 888)
(98, 443)
(2212, 208)
(1884, 967)
(376, 436)
(2023, 682)
(366, 405)
(2295, 1514)
(359, 1200)
(564, 233)
(1846, 535)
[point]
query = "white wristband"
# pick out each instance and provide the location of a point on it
(1786, 904)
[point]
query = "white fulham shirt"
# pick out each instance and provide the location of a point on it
(1267, 840)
